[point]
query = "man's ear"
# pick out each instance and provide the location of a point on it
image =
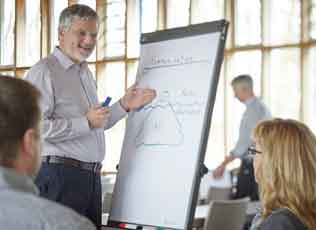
(27, 143)
(61, 32)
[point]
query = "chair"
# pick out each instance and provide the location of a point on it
(226, 215)
(218, 193)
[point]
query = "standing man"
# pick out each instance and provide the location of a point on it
(74, 121)
(20, 160)
(255, 112)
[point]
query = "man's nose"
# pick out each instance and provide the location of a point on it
(89, 39)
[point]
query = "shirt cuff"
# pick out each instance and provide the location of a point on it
(234, 153)
(118, 109)
(80, 125)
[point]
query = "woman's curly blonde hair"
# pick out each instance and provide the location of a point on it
(287, 176)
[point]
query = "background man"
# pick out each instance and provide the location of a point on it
(255, 112)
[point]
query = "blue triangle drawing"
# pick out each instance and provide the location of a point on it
(160, 127)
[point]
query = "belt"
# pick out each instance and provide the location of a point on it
(94, 167)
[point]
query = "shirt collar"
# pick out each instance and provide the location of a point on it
(249, 101)
(64, 60)
(10, 179)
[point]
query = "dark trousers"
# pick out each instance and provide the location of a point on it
(73, 187)
(246, 184)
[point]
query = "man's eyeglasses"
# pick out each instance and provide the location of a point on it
(253, 151)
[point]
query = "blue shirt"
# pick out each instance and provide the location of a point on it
(255, 111)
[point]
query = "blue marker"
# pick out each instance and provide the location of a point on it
(107, 101)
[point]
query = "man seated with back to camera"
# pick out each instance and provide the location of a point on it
(20, 160)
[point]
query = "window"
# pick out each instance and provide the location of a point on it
(7, 20)
(273, 41)
(133, 28)
(284, 81)
(205, 10)
(216, 142)
(55, 9)
(312, 19)
(115, 28)
(177, 13)
(309, 87)
(149, 10)
(248, 23)
(283, 17)
(32, 36)
(111, 82)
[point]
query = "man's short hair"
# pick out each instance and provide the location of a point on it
(78, 11)
(19, 111)
(244, 80)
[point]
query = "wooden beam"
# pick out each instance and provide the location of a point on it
(45, 28)
(162, 14)
(20, 15)
(101, 43)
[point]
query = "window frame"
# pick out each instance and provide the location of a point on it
(304, 44)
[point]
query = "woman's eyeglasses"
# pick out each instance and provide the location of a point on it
(253, 151)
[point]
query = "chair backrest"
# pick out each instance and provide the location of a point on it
(218, 193)
(226, 215)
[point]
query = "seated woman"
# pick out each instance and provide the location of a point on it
(285, 170)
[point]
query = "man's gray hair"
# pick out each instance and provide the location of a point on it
(244, 80)
(78, 11)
